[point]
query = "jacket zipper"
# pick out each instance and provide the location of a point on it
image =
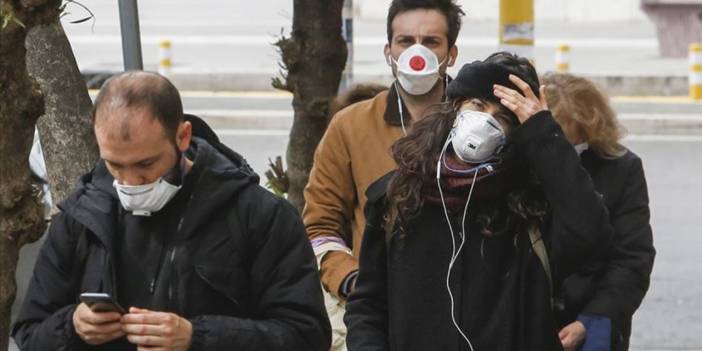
(170, 253)
(170, 282)
(173, 279)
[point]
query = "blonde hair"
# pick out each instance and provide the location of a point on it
(579, 101)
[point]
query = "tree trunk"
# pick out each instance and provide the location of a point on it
(21, 104)
(314, 57)
(66, 131)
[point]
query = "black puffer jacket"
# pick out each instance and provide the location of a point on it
(244, 273)
(623, 277)
(501, 291)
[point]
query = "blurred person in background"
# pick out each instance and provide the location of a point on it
(596, 307)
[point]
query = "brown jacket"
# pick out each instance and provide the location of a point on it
(354, 152)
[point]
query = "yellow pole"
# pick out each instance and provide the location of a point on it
(165, 59)
(695, 77)
(563, 58)
(517, 27)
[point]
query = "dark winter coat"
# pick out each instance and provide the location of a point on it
(501, 291)
(618, 288)
(243, 271)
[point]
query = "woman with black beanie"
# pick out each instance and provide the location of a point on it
(488, 206)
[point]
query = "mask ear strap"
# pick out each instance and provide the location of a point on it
(442, 154)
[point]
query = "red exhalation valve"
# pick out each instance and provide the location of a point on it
(417, 63)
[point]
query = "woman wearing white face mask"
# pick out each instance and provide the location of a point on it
(487, 207)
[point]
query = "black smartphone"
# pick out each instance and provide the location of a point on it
(101, 302)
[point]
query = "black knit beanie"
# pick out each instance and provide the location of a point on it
(475, 80)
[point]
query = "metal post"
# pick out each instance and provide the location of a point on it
(131, 39)
(517, 27)
(165, 58)
(695, 76)
(347, 33)
(563, 58)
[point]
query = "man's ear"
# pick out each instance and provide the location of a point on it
(184, 135)
(453, 53)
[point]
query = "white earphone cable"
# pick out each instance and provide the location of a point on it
(454, 252)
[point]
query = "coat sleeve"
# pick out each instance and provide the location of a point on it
(621, 288)
(580, 221)
(45, 321)
(330, 197)
(289, 313)
(367, 308)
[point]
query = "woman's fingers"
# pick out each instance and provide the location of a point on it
(522, 106)
(514, 101)
(526, 89)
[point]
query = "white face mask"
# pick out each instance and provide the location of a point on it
(580, 148)
(476, 136)
(145, 199)
(417, 69)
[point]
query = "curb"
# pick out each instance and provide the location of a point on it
(633, 126)
(614, 85)
(667, 111)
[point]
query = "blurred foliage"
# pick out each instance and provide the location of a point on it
(277, 179)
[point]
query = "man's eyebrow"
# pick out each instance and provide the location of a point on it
(431, 37)
(112, 163)
(148, 159)
(404, 36)
(145, 160)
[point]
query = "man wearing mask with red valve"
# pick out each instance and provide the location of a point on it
(172, 225)
(355, 150)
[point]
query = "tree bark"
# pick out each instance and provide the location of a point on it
(65, 129)
(314, 58)
(21, 104)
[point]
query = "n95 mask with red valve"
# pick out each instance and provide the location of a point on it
(417, 69)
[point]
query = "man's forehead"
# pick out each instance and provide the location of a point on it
(127, 122)
(422, 22)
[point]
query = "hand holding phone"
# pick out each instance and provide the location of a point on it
(101, 302)
(97, 319)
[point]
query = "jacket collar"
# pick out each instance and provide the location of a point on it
(392, 110)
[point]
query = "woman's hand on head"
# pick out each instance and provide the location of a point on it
(525, 104)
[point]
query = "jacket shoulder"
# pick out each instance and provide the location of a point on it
(362, 111)
(625, 165)
(631, 159)
(257, 210)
